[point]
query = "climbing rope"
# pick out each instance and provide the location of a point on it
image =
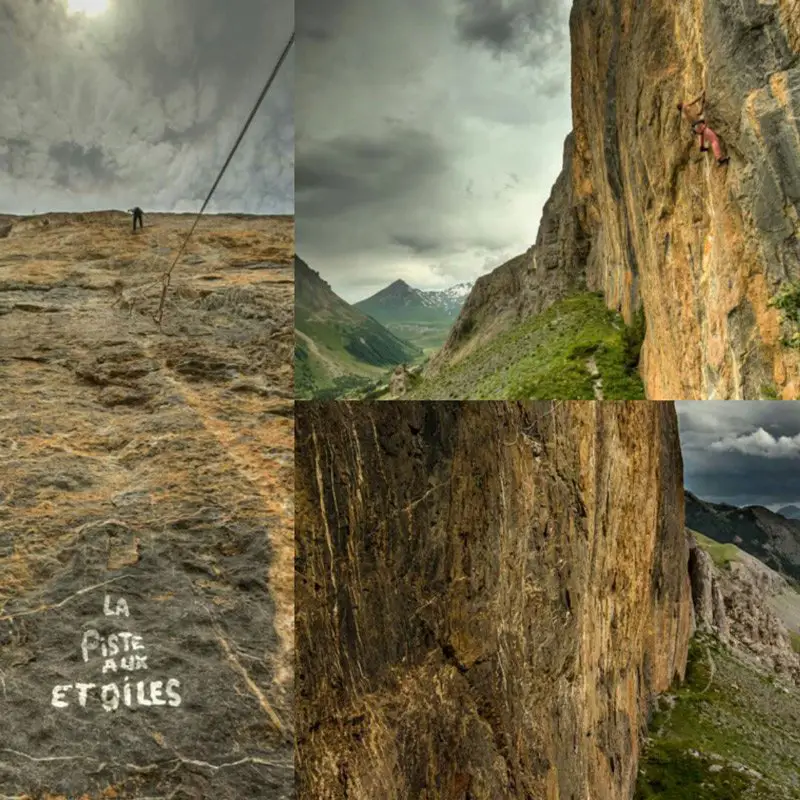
(166, 277)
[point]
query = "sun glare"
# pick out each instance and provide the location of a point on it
(90, 8)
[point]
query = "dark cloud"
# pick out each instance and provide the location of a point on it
(420, 245)
(80, 164)
(142, 103)
(318, 19)
(349, 172)
(530, 27)
(744, 453)
(449, 120)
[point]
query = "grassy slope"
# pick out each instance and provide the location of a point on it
(429, 337)
(545, 358)
(721, 554)
(347, 348)
(722, 725)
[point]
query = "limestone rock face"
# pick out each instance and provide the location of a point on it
(648, 219)
(704, 247)
(707, 596)
(146, 480)
(530, 283)
(488, 596)
(737, 603)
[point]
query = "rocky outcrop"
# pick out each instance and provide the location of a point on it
(530, 283)
(146, 476)
(653, 222)
(488, 596)
(737, 603)
(400, 381)
(709, 603)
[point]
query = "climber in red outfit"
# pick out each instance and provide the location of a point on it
(701, 129)
(707, 135)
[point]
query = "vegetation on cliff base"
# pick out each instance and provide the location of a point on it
(728, 733)
(721, 553)
(788, 301)
(550, 357)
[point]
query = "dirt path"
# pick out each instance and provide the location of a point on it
(597, 381)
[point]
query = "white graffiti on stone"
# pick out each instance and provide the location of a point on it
(122, 651)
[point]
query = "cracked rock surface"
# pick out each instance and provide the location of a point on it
(488, 595)
(146, 480)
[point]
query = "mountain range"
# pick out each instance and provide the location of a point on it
(790, 512)
(337, 346)
(422, 317)
(771, 537)
(404, 302)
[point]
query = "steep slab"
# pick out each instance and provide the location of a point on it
(146, 476)
(489, 595)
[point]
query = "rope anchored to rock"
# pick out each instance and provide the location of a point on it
(167, 276)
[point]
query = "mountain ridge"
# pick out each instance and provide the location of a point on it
(337, 346)
(767, 535)
(399, 294)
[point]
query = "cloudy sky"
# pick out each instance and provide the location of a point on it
(740, 452)
(429, 134)
(140, 105)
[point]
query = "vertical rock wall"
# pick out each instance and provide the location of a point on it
(705, 248)
(488, 594)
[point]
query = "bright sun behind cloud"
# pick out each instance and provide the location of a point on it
(91, 8)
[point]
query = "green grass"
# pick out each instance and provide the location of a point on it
(723, 726)
(721, 554)
(546, 358)
(788, 301)
(428, 338)
(361, 353)
(795, 640)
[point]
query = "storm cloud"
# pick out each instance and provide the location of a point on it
(743, 453)
(140, 105)
(429, 134)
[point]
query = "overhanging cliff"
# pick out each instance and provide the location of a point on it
(528, 284)
(705, 248)
(488, 595)
(711, 252)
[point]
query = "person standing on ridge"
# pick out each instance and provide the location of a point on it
(699, 127)
(138, 216)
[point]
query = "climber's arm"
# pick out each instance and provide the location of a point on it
(683, 107)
